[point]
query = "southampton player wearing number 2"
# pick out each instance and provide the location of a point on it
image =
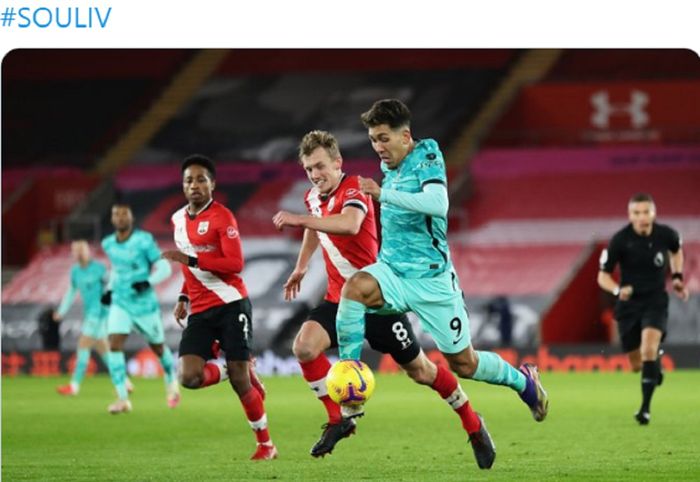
(342, 221)
(414, 271)
(209, 249)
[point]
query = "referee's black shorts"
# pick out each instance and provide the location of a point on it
(390, 334)
(641, 311)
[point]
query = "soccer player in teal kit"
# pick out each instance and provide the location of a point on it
(136, 268)
(414, 271)
(87, 277)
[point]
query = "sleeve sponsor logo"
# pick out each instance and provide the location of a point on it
(231, 232)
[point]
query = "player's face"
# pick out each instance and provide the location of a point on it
(392, 145)
(122, 219)
(197, 185)
(81, 251)
(322, 170)
(642, 216)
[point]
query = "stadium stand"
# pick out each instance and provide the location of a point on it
(254, 110)
(63, 107)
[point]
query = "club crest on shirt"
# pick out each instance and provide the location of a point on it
(203, 227)
(659, 259)
(331, 203)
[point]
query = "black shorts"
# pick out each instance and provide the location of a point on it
(390, 334)
(638, 313)
(231, 324)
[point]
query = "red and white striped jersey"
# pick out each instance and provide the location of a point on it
(212, 237)
(344, 254)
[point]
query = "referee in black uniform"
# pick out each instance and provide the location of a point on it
(644, 249)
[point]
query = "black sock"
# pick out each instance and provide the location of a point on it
(650, 377)
(660, 377)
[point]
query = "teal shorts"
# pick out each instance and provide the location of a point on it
(438, 302)
(150, 325)
(95, 328)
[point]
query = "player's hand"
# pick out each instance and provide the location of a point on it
(141, 286)
(626, 292)
(369, 186)
(106, 298)
(284, 218)
(180, 312)
(176, 256)
(681, 290)
(56, 317)
(293, 284)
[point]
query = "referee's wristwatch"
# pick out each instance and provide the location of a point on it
(616, 291)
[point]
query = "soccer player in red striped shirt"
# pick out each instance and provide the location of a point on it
(209, 249)
(342, 221)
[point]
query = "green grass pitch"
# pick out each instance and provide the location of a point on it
(408, 433)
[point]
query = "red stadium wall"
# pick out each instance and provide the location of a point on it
(602, 112)
(575, 316)
(51, 195)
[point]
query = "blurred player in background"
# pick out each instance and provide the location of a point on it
(209, 249)
(342, 221)
(136, 268)
(644, 249)
(87, 277)
(414, 271)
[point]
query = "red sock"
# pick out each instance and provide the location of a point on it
(314, 373)
(255, 411)
(211, 375)
(447, 386)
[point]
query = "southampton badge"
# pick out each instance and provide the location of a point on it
(203, 227)
(659, 259)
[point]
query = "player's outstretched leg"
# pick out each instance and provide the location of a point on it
(254, 409)
(483, 446)
(117, 372)
(255, 380)
(448, 387)
(534, 394)
(491, 368)
(81, 363)
(337, 427)
(167, 361)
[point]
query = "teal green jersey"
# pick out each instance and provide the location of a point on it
(414, 245)
(89, 281)
(131, 261)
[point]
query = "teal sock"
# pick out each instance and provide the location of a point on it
(350, 324)
(496, 371)
(117, 371)
(167, 361)
(81, 363)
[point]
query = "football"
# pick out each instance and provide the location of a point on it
(350, 382)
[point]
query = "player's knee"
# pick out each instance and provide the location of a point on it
(359, 287)
(420, 374)
(192, 380)
(305, 351)
(463, 368)
(238, 378)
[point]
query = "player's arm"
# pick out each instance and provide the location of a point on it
(180, 310)
(347, 222)
(160, 268)
(308, 247)
(431, 200)
(675, 259)
(66, 302)
(608, 259)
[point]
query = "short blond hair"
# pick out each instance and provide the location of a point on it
(315, 139)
